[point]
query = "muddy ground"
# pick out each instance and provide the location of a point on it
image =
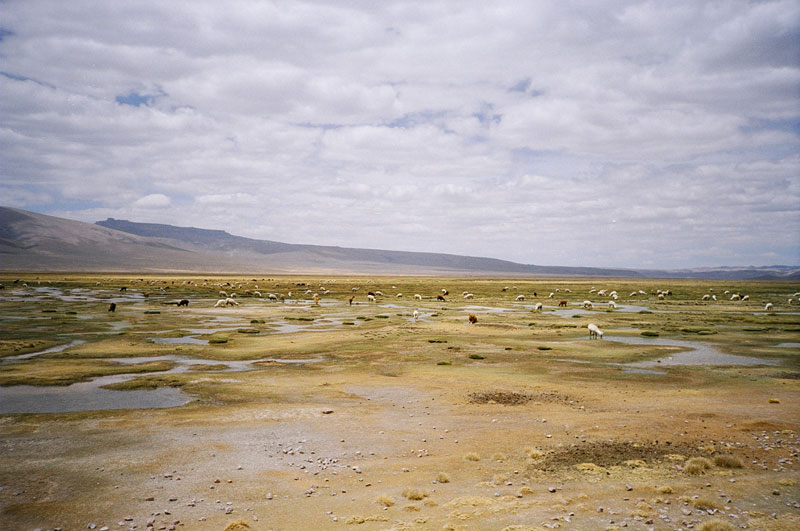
(327, 415)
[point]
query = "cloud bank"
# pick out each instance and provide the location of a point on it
(624, 134)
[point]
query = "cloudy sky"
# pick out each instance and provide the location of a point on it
(610, 133)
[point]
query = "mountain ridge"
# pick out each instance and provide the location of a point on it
(39, 242)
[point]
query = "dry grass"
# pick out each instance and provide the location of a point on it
(413, 494)
(715, 524)
(237, 526)
(384, 500)
(533, 453)
(705, 504)
(499, 456)
(441, 477)
(590, 467)
(472, 456)
(697, 466)
(728, 461)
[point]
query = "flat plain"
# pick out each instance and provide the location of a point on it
(287, 412)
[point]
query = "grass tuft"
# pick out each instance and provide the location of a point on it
(384, 500)
(237, 526)
(697, 466)
(728, 461)
(533, 453)
(472, 456)
(413, 494)
(705, 504)
(715, 524)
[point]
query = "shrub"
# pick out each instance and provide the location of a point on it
(476, 357)
(472, 456)
(715, 524)
(441, 477)
(238, 525)
(386, 501)
(697, 465)
(728, 461)
(704, 504)
(413, 494)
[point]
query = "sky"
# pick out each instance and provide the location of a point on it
(607, 134)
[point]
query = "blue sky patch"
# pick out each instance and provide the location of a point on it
(135, 99)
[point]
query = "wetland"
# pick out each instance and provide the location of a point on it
(283, 413)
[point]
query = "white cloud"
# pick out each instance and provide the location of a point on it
(633, 127)
(153, 201)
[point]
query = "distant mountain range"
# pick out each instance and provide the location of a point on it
(31, 241)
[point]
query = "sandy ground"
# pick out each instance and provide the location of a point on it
(378, 435)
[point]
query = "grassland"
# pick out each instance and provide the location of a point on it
(338, 415)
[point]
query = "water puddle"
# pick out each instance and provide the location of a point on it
(696, 354)
(487, 309)
(89, 396)
(598, 306)
(86, 396)
(59, 348)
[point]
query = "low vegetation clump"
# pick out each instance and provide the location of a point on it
(506, 398)
(384, 500)
(238, 525)
(476, 357)
(533, 453)
(716, 524)
(472, 456)
(442, 477)
(649, 333)
(704, 504)
(414, 494)
(728, 461)
(697, 466)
